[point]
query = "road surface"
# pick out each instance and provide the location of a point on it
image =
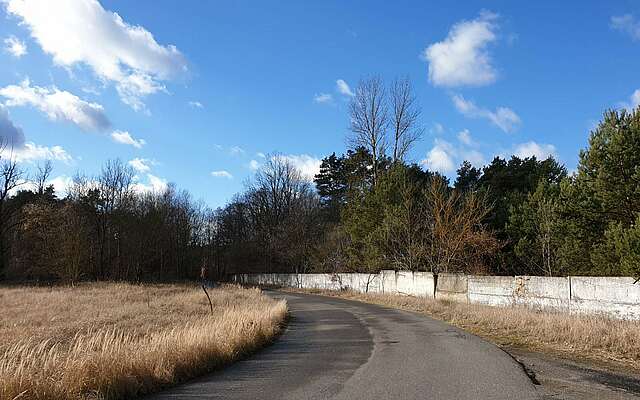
(340, 349)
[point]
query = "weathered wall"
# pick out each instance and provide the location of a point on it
(614, 297)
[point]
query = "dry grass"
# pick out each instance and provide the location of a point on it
(611, 343)
(113, 341)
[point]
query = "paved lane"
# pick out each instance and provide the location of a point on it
(340, 349)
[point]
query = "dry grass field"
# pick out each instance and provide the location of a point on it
(113, 340)
(612, 343)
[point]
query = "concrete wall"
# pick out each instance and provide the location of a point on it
(613, 297)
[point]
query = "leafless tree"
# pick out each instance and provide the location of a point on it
(405, 114)
(11, 177)
(370, 120)
(42, 176)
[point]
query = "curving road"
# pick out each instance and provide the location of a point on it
(340, 349)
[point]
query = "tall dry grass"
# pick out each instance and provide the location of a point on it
(113, 341)
(612, 343)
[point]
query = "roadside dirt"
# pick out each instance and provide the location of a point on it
(571, 380)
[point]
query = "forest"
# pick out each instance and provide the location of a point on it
(369, 208)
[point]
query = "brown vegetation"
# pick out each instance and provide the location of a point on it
(613, 343)
(112, 341)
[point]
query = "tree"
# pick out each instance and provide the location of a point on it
(370, 120)
(468, 177)
(11, 177)
(405, 113)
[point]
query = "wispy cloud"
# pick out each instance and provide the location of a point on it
(236, 151)
(462, 58)
(141, 165)
(627, 24)
(503, 117)
(222, 174)
(196, 104)
(343, 88)
(632, 103)
(323, 98)
(124, 137)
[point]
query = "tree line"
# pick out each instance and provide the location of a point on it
(367, 209)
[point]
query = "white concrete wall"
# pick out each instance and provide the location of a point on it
(452, 287)
(617, 297)
(540, 292)
(491, 290)
(613, 297)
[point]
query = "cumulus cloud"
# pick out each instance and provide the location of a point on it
(10, 134)
(440, 157)
(15, 46)
(308, 166)
(503, 117)
(61, 184)
(141, 165)
(533, 149)
(196, 104)
(82, 32)
(57, 105)
(444, 156)
(154, 184)
(323, 98)
(125, 137)
(221, 174)
(627, 24)
(343, 88)
(462, 58)
(32, 152)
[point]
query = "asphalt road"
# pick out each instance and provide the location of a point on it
(340, 349)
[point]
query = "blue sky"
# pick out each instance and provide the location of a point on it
(198, 93)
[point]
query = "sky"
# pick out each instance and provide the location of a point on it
(202, 93)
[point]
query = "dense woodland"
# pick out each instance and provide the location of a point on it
(368, 209)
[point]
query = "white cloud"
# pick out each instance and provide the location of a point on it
(82, 32)
(440, 158)
(15, 46)
(141, 165)
(464, 136)
(533, 149)
(154, 185)
(323, 98)
(503, 117)
(308, 166)
(344, 88)
(125, 137)
(437, 128)
(196, 104)
(261, 155)
(633, 103)
(236, 151)
(57, 105)
(61, 184)
(10, 134)
(222, 174)
(31, 152)
(462, 57)
(254, 165)
(628, 24)
(445, 157)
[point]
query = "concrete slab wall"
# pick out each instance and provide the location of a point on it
(613, 297)
(617, 297)
(491, 290)
(452, 287)
(540, 292)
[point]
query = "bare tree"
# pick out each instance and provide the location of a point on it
(42, 176)
(370, 120)
(11, 177)
(405, 116)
